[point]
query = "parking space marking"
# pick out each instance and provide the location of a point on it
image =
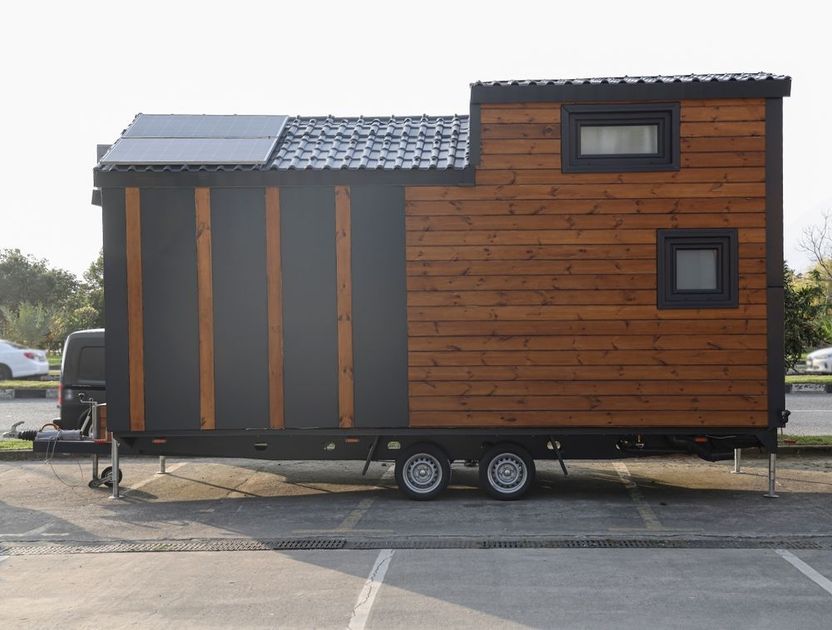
(168, 469)
(651, 521)
(37, 531)
(358, 513)
(822, 581)
(364, 603)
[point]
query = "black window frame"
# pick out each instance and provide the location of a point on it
(726, 295)
(665, 115)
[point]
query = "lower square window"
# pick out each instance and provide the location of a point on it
(697, 269)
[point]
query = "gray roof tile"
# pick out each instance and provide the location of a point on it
(405, 143)
(626, 80)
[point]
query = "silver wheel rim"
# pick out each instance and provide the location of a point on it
(422, 473)
(507, 472)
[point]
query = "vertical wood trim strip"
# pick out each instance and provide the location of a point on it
(346, 392)
(135, 314)
(274, 280)
(205, 293)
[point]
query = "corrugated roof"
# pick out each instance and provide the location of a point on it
(365, 143)
(627, 80)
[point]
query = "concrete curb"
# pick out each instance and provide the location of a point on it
(809, 388)
(20, 393)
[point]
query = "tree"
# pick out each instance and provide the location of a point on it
(26, 279)
(84, 308)
(28, 324)
(817, 243)
(94, 288)
(807, 323)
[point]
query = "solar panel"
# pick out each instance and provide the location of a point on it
(205, 126)
(190, 151)
(196, 139)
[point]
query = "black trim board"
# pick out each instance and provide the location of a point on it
(474, 136)
(258, 178)
(774, 260)
(115, 308)
(238, 255)
(774, 88)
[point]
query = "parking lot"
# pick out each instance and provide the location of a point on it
(638, 543)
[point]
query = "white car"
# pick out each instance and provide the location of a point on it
(17, 361)
(819, 360)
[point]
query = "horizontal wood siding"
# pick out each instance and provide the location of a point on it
(532, 295)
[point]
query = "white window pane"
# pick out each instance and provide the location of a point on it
(619, 140)
(696, 270)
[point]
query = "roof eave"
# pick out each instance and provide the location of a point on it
(279, 177)
(767, 88)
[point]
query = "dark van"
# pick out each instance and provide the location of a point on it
(82, 375)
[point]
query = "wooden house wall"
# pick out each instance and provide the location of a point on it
(532, 295)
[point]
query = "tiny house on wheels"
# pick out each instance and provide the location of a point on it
(576, 269)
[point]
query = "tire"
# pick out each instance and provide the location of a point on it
(107, 476)
(5, 373)
(506, 471)
(422, 471)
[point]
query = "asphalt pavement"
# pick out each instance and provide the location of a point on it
(671, 542)
(541, 588)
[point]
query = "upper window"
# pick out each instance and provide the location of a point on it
(697, 268)
(604, 138)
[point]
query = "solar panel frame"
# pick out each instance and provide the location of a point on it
(209, 151)
(205, 126)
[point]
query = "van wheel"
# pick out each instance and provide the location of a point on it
(506, 471)
(5, 373)
(422, 471)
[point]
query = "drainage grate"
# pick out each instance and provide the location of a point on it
(221, 544)
(292, 544)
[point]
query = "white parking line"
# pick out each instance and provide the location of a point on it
(357, 514)
(364, 604)
(822, 581)
(155, 476)
(651, 521)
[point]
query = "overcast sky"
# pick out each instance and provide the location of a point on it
(75, 74)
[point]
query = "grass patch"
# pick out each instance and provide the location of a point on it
(28, 384)
(13, 445)
(809, 378)
(808, 440)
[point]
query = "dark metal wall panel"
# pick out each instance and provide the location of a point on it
(379, 306)
(115, 309)
(241, 370)
(171, 335)
(307, 234)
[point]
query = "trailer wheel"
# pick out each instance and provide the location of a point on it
(422, 471)
(106, 476)
(506, 471)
